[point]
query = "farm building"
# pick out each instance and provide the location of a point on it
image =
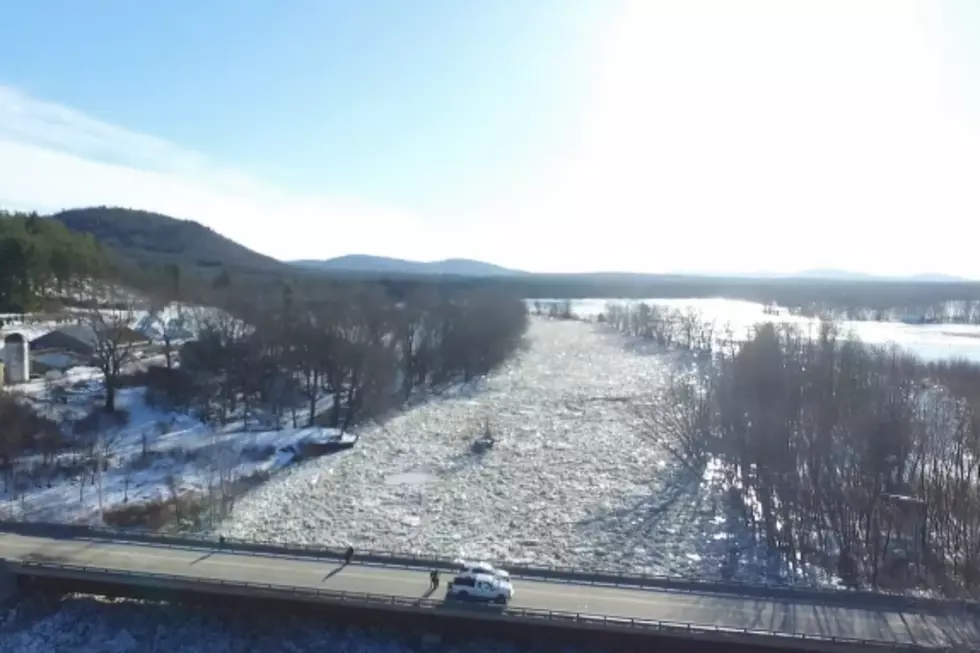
(56, 361)
(78, 339)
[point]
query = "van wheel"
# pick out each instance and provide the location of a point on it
(501, 600)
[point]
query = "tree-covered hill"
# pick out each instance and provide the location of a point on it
(153, 240)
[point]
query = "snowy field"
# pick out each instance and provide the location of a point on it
(928, 341)
(149, 458)
(89, 625)
(155, 455)
(571, 479)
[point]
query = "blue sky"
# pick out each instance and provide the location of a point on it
(374, 99)
(644, 135)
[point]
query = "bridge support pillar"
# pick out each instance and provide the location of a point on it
(8, 583)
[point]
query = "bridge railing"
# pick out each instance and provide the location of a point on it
(101, 574)
(549, 572)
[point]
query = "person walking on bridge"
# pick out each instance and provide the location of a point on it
(348, 555)
(433, 580)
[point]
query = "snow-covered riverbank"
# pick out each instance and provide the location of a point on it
(152, 456)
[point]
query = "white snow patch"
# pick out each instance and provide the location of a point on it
(929, 341)
(150, 449)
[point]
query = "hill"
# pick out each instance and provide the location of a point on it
(152, 239)
(363, 263)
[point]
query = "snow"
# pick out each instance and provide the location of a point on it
(30, 330)
(37, 388)
(571, 480)
(176, 445)
(928, 341)
(154, 447)
(82, 624)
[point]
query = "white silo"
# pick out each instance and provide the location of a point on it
(16, 355)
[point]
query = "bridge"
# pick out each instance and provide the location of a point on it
(77, 558)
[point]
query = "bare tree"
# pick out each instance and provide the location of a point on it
(109, 323)
(80, 480)
(172, 481)
(212, 463)
(680, 420)
(217, 362)
(829, 444)
(106, 439)
(127, 480)
(158, 316)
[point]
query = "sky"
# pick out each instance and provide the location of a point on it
(544, 135)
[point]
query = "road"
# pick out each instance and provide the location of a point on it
(683, 607)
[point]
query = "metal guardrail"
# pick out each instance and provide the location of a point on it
(526, 614)
(557, 573)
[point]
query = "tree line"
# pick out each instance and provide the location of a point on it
(914, 311)
(333, 358)
(40, 258)
(864, 460)
(788, 292)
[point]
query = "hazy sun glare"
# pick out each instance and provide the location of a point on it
(765, 135)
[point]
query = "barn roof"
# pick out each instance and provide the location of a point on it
(86, 334)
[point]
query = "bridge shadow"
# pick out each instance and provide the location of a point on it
(905, 627)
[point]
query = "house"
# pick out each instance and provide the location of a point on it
(175, 329)
(80, 340)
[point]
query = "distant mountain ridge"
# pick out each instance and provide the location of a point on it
(831, 274)
(846, 275)
(364, 263)
(384, 265)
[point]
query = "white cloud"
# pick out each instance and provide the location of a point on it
(53, 157)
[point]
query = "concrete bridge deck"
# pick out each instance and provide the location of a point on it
(892, 628)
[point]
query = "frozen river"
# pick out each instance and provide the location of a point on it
(572, 478)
